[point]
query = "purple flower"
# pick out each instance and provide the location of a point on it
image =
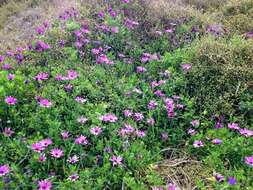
(1, 58)
(44, 103)
(164, 136)
(65, 135)
(72, 75)
(81, 140)
(186, 67)
(249, 160)
(41, 76)
(195, 123)
(116, 160)
(42, 158)
(198, 144)
(4, 169)
(45, 184)
(127, 113)
(96, 131)
(171, 187)
(8, 132)
(37, 147)
(138, 117)
(115, 29)
(246, 132)
(249, 34)
(40, 30)
(108, 118)
(80, 99)
(232, 181)
(218, 125)
(56, 153)
(82, 120)
(73, 177)
(152, 105)
(216, 141)
(140, 133)
(151, 121)
(219, 177)
(10, 76)
(191, 132)
(74, 159)
(41, 46)
(10, 100)
(233, 126)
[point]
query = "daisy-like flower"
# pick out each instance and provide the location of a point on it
(164, 136)
(73, 177)
(96, 130)
(249, 160)
(186, 67)
(115, 29)
(46, 142)
(74, 159)
(108, 118)
(56, 153)
(10, 76)
(138, 116)
(37, 147)
(116, 160)
(171, 187)
(65, 135)
(4, 169)
(152, 105)
(246, 132)
(216, 141)
(127, 113)
(233, 126)
(72, 75)
(151, 121)
(219, 177)
(82, 120)
(45, 184)
(191, 132)
(198, 144)
(140, 69)
(232, 181)
(10, 100)
(41, 76)
(8, 132)
(80, 99)
(42, 158)
(81, 140)
(140, 133)
(195, 123)
(44, 103)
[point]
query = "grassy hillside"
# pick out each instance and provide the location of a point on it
(130, 94)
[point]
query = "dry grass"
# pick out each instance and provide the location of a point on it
(181, 170)
(23, 18)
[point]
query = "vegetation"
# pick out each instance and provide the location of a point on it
(124, 95)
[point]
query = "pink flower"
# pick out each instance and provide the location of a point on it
(65, 135)
(41, 76)
(233, 126)
(11, 76)
(198, 144)
(10, 100)
(56, 153)
(108, 118)
(82, 120)
(72, 75)
(116, 160)
(186, 67)
(246, 132)
(80, 99)
(140, 69)
(115, 29)
(140, 133)
(127, 113)
(171, 187)
(191, 131)
(45, 185)
(151, 121)
(249, 160)
(4, 169)
(152, 105)
(96, 131)
(44, 103)
(73, 177)
(216, 141)
(37, 147)
(195, 123)
(8, 132)
(138, 116)
(81, 140)
(42, 158)
(74, 159)
(46, 142)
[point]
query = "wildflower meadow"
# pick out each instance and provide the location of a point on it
(100, 98)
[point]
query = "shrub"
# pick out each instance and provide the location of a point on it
(221, 73)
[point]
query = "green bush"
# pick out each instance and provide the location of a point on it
(221, 73)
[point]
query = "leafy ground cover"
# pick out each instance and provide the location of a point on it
(94, 102)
